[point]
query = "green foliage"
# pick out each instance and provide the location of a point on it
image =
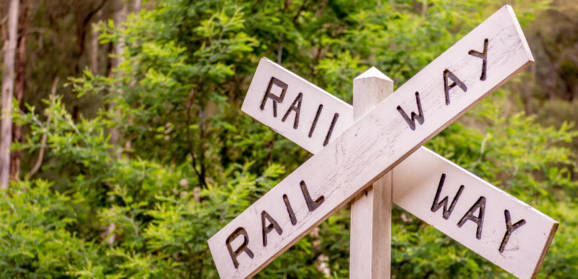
(188, 161)
(34, 238)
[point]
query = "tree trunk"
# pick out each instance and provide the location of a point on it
(19, 87)
(119, 17)
(137, 5)
(8, 75)
(94, 47)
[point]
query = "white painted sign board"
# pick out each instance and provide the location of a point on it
(485, 219)
(283, 100)
(419, 109)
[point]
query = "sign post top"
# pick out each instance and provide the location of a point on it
(373, 72)
(369, 89)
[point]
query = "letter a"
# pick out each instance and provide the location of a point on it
(295, 106)
(479, 220)
(268, 228)
(455, 81)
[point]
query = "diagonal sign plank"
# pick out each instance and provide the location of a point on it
(485, 219)
(439, 93)
(311, 120)
(419, 189)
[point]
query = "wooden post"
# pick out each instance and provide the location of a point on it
(370, 239)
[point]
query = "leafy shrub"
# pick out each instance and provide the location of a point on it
(188, 161)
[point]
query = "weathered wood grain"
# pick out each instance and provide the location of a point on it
(372, 146)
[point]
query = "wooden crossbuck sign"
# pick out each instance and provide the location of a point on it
(350, 156)
(448, 197)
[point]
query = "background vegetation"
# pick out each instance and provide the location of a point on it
(135, 151)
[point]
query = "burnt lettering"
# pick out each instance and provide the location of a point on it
(447, 212)
(509, 229)
(289, 210)
(295, 106)
(314, 124)
(330, 131)
(455, 81)
(484, 56)
(311, 204)
(419, 117)
(269, 95)
(267, 228)
(479, 206)
(242, 248)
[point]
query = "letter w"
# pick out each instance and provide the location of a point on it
(419, 117)
(444, 202)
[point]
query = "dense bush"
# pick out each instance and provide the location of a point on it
(188, 161)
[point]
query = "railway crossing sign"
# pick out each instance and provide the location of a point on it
(350, 155)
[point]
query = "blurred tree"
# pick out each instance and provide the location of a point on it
(119, 17)
(8, 76)
(20, 82)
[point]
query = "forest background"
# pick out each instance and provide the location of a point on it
(129, 149)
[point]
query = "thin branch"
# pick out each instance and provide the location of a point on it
(38, 163)
(188, 111)
(280, 49)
